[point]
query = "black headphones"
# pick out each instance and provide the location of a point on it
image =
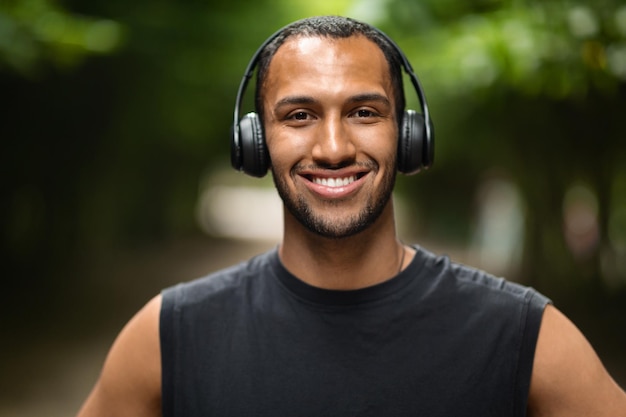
(416, 147)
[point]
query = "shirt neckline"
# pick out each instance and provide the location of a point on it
(339, 298)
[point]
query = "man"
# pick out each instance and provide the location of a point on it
(342, 318)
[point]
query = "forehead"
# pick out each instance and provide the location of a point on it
(328, 65)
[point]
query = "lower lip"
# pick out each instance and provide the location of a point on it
(343, 191)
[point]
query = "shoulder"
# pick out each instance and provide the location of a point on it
(568, 378)
(469, 283)
(130, 381)
(219, 284)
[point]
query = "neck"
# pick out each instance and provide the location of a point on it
(365, 259)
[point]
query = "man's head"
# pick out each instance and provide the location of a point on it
(416, 135)
(333, 27)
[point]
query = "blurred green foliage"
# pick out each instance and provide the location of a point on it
(534, 91)
(112, 112)
(34, 33)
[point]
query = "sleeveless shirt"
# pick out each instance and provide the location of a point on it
(438, 339)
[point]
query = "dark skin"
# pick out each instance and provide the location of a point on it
(331, 133)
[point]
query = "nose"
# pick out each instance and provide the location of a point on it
(334, 145)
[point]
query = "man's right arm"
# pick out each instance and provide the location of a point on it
(568, 378)
(130, 381)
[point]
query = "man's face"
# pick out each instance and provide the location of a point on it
(331, 132)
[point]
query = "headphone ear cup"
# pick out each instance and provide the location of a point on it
(254, 156)
(411, 143)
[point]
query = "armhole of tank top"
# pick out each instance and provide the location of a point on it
(169, 352)
(530, 322)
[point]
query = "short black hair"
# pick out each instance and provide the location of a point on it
(334, 27)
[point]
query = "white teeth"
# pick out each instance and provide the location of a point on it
(335, 182)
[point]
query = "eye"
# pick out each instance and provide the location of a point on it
(298, 116)
(365, 113)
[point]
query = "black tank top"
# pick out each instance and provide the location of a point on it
(439, 339)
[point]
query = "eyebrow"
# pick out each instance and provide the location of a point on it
(365, 97)
(358, 98)
(291, 100)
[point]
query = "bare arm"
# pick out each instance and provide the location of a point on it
(568, 378)
(130, 381)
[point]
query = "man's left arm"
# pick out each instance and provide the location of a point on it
(568, 378)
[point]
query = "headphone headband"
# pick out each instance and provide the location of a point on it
(238, 139)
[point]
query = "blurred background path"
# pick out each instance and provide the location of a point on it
(48, 369)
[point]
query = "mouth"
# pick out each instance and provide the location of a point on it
(334, 181)
(329, 185)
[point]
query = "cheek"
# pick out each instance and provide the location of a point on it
(381, 145)
(285, 150)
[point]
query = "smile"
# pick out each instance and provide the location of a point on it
(334, 182)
